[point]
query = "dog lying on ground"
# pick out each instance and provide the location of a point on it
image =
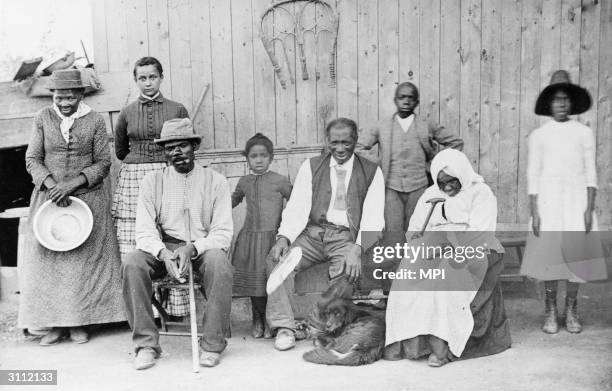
(343, 333)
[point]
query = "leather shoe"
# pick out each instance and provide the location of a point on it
(209, 359)
(285, 339)
(145, 358)
(78, 335)
(52, 337)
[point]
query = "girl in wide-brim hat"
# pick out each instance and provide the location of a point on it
(562, 183)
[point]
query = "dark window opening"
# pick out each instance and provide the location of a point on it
(15, 191)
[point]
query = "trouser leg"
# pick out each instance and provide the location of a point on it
(137, 270)
(394, 232)
(279, 311)
(216, 272)
(394, 211)
(337, 247)
(410, 202)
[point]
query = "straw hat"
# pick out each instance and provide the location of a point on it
(65, 79)
(580, 97)
(177, 129)
(63, 228)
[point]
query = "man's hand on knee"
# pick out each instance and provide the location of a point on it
(353, 263)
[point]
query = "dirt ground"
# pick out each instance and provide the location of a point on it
(536, 361)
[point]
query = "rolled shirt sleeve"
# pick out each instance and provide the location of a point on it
(295, 215)
(147, 236)
(373, 211)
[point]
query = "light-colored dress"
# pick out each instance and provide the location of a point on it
(81, 286)
(561, 166)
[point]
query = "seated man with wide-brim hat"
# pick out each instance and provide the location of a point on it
(162, 245)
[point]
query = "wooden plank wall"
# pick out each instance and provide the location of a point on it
(478, 63)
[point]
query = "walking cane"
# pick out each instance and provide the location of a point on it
(192, 305)
(433, 202)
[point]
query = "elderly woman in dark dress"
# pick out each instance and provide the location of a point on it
(68, 155)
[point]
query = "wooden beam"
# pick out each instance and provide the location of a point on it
(263, 77)
(286, 107)
(509, 111)
(305, 90)
(242, 46)
(223, 85)
(530, 87)
(490, 90)
(471, 27)
(346, 67)
(429, 53)
(367, 38)
(604, 116)
(450, 65)
(388, 64)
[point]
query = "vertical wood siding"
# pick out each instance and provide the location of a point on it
(479, 65)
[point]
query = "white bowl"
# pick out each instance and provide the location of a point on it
(63, 229)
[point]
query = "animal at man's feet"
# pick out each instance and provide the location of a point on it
(344, 334)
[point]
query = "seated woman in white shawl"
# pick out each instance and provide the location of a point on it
(453, 322)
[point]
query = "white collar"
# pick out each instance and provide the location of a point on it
(405, 122)
(348, 165)
(150, 97)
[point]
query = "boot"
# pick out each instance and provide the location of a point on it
(550, 325)
(572, 323)
(258, 324)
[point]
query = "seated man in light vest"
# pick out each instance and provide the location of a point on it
(336, 196)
